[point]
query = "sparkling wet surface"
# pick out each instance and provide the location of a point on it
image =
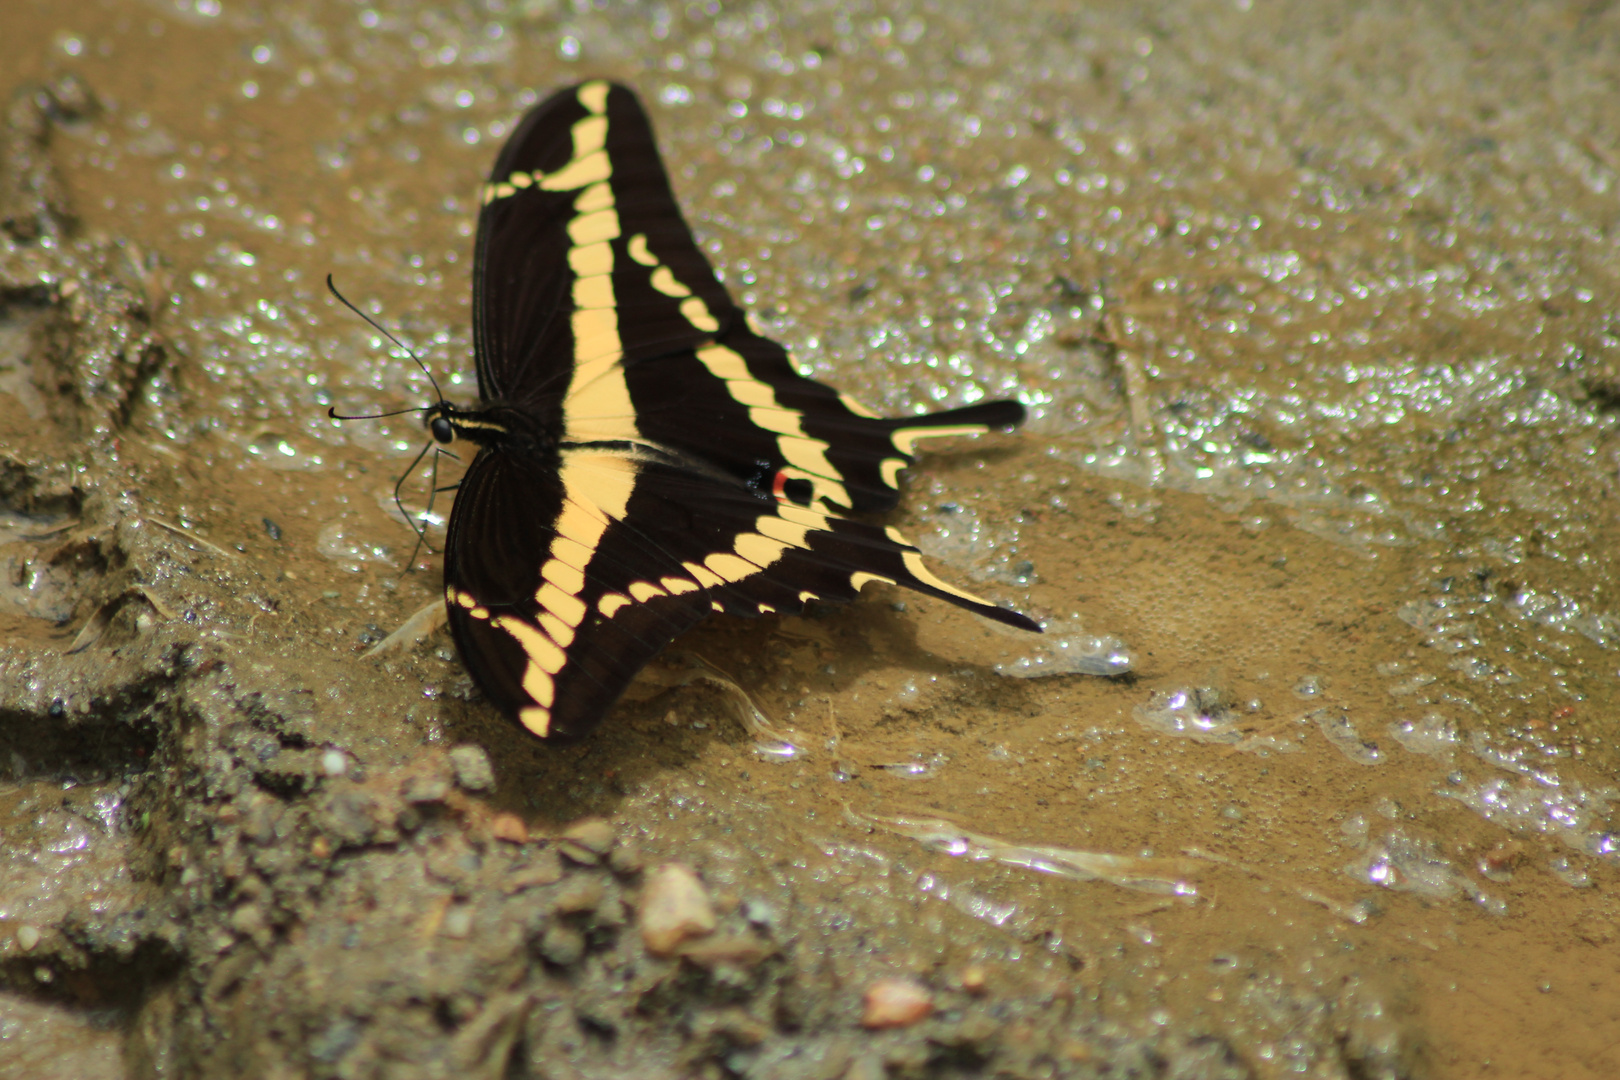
(1318, 320)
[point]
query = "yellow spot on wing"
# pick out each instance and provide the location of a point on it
(542, 650)
(590, 260)
(752, 393)
(676, 585)
(914, 563)
(724, 363)
(856, 407)
(801, 515)
(639, 252)
(890, 470)
(536, 719)
(593, 95)
(705, 577)
(595, 197)
(663, 279)
(611, 603)
(905, 438)
(762, 551)
(697, 313)
(567, 577)
(520, 179)
(859, 578)
(777, 419)
(787, 532)
(567, 607)
(596, 337)
(556, 629)
(645, 590)
(729, 566)
(594, 292)
(594, 227)
(589, 169)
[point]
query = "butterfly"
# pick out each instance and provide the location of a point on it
(644, 457)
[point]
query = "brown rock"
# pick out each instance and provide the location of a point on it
(674, 908)
(509, 827)
(893, 1003)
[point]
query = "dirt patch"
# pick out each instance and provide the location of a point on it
(1311, 774)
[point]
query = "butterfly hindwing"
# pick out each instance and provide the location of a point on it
(645, 456)
(633, 549)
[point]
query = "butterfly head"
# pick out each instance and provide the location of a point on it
(439, 425)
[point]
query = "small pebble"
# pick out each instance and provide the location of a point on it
(582, 892)
(586, 841)
(736, 950)
(562, 945)
(457, 921)
(975, 978)
(334, 763)
(893, 1003)
(509, 827)
(424, 789)
(544, 869)
(674, 908)
(626, 859)
(27, 937)
(472, 768)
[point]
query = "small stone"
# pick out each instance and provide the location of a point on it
(582, 892)
(472, 768)
(457, 921)
(544, 869)
(736, 950)
(27, 937)
(674, 908)
(593, 834)
(509, 827)
(975, 978)
(334, 763)
(626, 859)
(417, 790)
(894, 1003)
(562, 945)
(248, 919)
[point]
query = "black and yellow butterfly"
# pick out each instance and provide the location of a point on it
(644, 458)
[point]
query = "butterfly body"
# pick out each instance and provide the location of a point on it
(644, 456)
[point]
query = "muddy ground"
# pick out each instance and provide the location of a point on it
(1317, 314)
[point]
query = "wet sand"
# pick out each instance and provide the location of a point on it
(1318, 320)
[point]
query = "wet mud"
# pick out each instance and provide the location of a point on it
(1318, 320)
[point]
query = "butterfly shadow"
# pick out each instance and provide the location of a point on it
(682, 713)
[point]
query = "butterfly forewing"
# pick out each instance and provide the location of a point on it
(673, 461)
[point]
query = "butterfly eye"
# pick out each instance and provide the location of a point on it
(441, 429)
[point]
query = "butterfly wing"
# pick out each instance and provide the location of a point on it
(593, 306)
(683, 465)
(564, 581)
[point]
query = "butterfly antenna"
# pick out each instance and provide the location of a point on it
(375, 325)
(334, 414)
